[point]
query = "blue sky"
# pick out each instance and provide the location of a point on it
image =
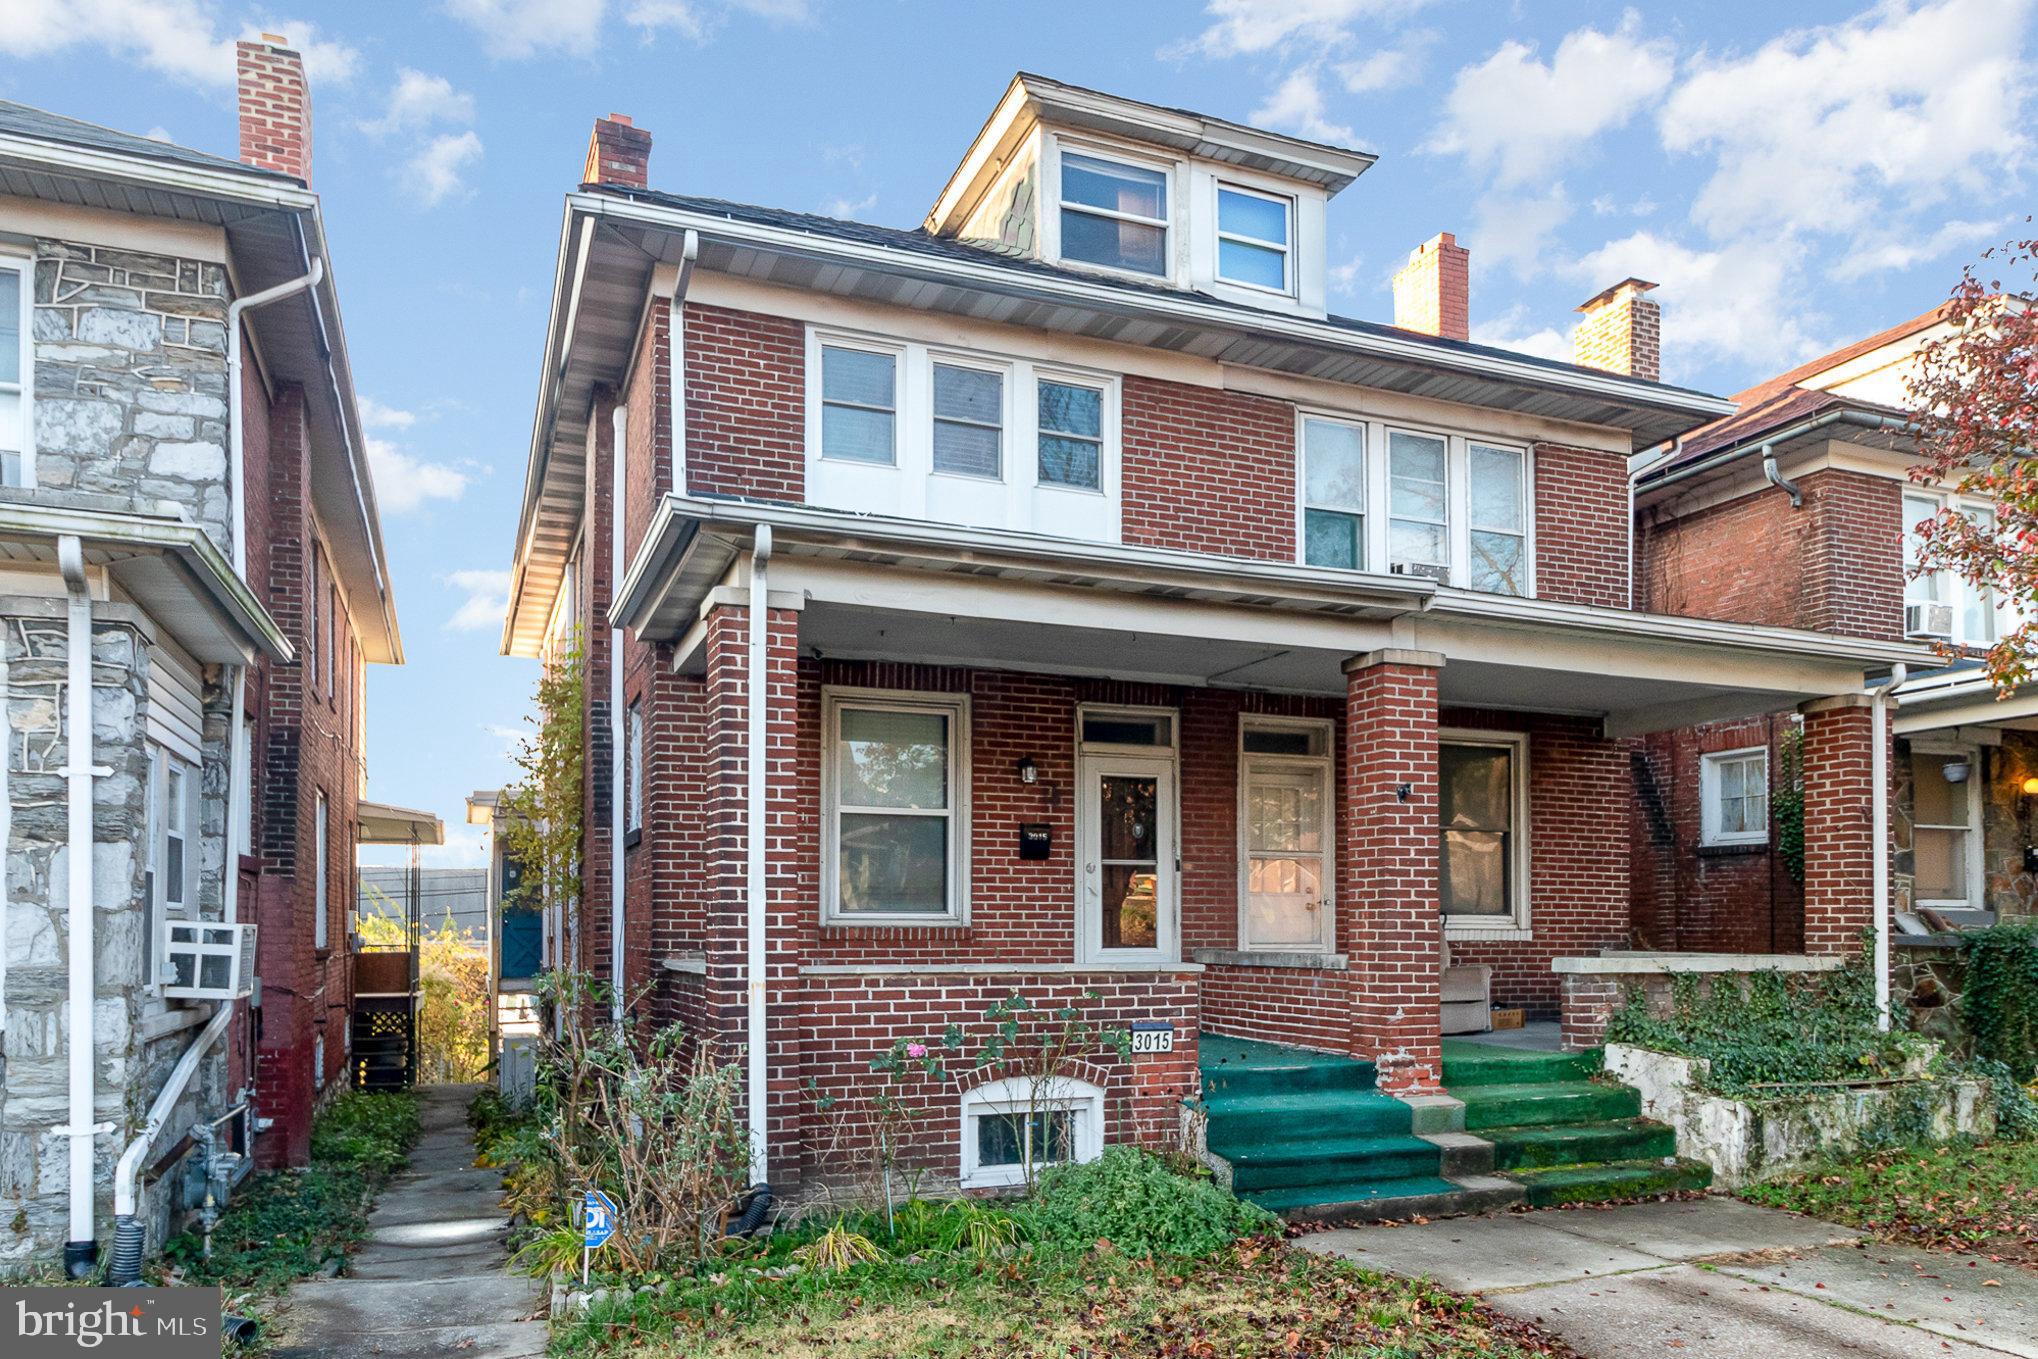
(1790, 187)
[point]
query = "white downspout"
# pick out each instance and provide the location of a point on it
(1878, 801)
(618, 734)
(753, 838)
(235, 381)
(81, 1253)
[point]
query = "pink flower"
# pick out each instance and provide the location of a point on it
(916, 1049)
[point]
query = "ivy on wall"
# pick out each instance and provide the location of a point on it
(1786, 802)
(1999, 999)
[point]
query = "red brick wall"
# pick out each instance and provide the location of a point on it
(1838, 841)
(746, 422)
(1207, 470)
(647, 429)
(1579, 800)
(597, 585)
(1581, 508)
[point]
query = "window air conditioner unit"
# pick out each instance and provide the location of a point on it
(1440, 574)
(209, 960)
(1932, 621)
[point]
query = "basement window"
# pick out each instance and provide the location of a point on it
(1012, 1128)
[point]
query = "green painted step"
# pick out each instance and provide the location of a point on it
(1574, 1144)
(1468, 1063)
(1261, 1120)
(1612, 1182)
(1242, 1067)
(1361, 1191)
(1546, 1103)
(1332, 1160)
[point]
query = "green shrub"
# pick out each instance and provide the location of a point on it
(1999, 997)
(1132, 1200)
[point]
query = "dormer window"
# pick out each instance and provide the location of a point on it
(1254, 231)
(1114, 214)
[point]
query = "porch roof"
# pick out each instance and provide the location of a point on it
(878, 588)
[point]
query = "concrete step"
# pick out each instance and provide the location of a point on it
(1543, 1104)
(439, 1233)
(1239, 1067)
(1612, 1182)
(499, 1340)
(1468, 1064)
(1241, 1120)
(397, 1265)
(1397, 1201)
(1333, 1160)
(1580, 1144)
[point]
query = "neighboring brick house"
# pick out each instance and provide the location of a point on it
(1125, 623)
(1795, 511)
(184, 477)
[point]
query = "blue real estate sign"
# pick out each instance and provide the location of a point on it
(599, 1221)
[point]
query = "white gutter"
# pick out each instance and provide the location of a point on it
(753, 837)
(618, 729)
(235, 309)
(1878, 801)
(81, 1251)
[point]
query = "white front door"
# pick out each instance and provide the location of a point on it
(1129, 907)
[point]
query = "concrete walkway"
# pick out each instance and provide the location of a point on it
(1713, 1277)
(430, 1278)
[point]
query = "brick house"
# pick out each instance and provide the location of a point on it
(1058, 599)
(195, 574)
(1797, 511)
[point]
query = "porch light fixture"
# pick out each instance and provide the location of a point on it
(1955, 771)
(2031, 786)
(1029, 772)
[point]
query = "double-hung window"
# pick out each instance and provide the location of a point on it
(1481, 791)
(1333, 493)
(633, 773)
(894, 775)
(1419, 514)
(1941, 604)
(1071, 434)
(969, 421)
(17, 293)
(322, 858)
(1114, 213)
(1734, 797)
(859, 404)
(1946, 828)
(1253, 234)
(170, 860)
(1499, 520)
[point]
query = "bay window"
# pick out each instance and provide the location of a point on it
(894, 806)
(1481, 814)
(1114, 214)
(1254, 230)
(1333, 492)
(1286, 835)
(17, 304)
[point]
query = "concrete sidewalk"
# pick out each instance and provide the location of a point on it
(430, 1278)
(1712, 1277)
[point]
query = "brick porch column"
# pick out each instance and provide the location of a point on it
(1839, 877)
(1388, 921)
(724, 855)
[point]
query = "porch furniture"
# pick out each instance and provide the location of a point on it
(1467, 998)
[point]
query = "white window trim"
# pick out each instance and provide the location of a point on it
(24, 265)
(1498, 928)
(1165, 760)
(162, 911)
(633, 754)
(322, 841)
(1958, 592)
(1976, 902)
(1084, 711)
(1220, 235)
(1709, 807)
(817, 361)
(1025, 1095)
(1325, 765)
(1171, 226)
(957, 708)
(1457, 492)
(1368, 526)
(913, 425)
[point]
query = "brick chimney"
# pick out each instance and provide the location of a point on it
(275, 105)
(619, 152)
(1622, 332)
(1432, 292)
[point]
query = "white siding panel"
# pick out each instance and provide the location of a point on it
(176, 713)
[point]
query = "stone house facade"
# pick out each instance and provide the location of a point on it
(180, 486)
(1022, 606)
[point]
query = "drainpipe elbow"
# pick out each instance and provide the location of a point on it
(1779, 481)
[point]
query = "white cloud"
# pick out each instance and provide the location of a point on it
(1829, 129)
(440, 164)
(1387, 67)
(419, 101)
(851, 209)
(1514, 231)
(1297, 105)
(1250, 27)
(1744, 301)
(522, 28)
(682, 15)
(1344, 278)
(1521, 118)
(403, 483)
(159, 133)
(375, 415)
(487, 600)
(177, 38)
(1515, 330)
(1882, 253)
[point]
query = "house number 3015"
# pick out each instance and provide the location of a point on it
(1153, 1037)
